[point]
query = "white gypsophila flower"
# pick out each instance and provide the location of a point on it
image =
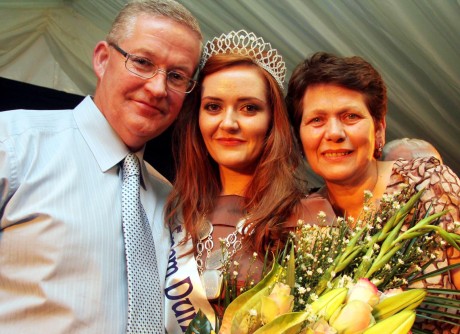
(254, 254)
(418, 268)
(253, 312)
(366, 208)
(301, 290)
(319, 270)
(368, 194)
(379, 226)
(330, 260)
(321, 214)
(387, 266)
(350, 219)
(309, 272)
(235, 273)
(419, 250)
(433, 256)
(379, 219)
(376, 246)
(235, 263)
(314, 296)
(300, 222)
(308, 289)
(400, 261)
(340, 220)
(329, 284)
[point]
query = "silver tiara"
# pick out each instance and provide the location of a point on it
(247, 44)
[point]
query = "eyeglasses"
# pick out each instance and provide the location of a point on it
(144, 68)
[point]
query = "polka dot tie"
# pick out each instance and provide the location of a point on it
(145, 301)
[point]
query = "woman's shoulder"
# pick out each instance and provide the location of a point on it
(418, 166)
(420, 170)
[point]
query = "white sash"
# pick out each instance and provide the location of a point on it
(184, 294)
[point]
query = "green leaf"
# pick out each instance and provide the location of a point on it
(290, 275)
(199, 325)
(286, 323)
(240, 307)
(442, 304)
(444, 291)
(435, 272)
(423, 316)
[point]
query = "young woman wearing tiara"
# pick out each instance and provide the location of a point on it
(236, 194)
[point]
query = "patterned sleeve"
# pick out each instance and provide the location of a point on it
(442, 187)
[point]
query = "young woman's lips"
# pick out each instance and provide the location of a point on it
(230, 141)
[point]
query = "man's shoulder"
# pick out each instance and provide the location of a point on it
(20, 121)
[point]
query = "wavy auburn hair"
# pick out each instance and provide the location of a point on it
(274, 190)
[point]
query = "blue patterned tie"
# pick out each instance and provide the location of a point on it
(145, 301)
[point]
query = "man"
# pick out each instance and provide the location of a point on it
(408, 149)
(62, 248)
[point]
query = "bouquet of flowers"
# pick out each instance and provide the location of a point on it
(343, 280)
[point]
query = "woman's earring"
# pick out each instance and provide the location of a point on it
(378, 151)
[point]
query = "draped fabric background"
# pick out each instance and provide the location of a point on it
(415, 44)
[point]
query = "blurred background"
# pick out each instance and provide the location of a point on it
(46, 48)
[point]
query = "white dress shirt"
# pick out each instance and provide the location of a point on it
(62, 261)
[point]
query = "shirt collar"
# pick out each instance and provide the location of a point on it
(105, 144)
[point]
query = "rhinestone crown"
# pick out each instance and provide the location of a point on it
(247, 44)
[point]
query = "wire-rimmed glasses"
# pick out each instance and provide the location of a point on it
(144, 68)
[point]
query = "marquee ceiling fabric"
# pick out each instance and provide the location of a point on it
(415, 44)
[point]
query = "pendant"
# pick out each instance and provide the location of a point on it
(211, 279)
(217, 259)
(204, 229)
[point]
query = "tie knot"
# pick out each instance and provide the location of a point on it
(130, 165)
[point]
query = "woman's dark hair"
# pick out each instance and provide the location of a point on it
(349, 72)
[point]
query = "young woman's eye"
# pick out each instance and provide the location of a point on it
(212, 107)
(251, 108)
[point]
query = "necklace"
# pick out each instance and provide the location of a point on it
(210, 265)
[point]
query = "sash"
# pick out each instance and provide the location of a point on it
(184, 294)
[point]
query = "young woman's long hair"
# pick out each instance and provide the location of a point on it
(275, 189)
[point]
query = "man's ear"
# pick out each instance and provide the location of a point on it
(100, 59)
